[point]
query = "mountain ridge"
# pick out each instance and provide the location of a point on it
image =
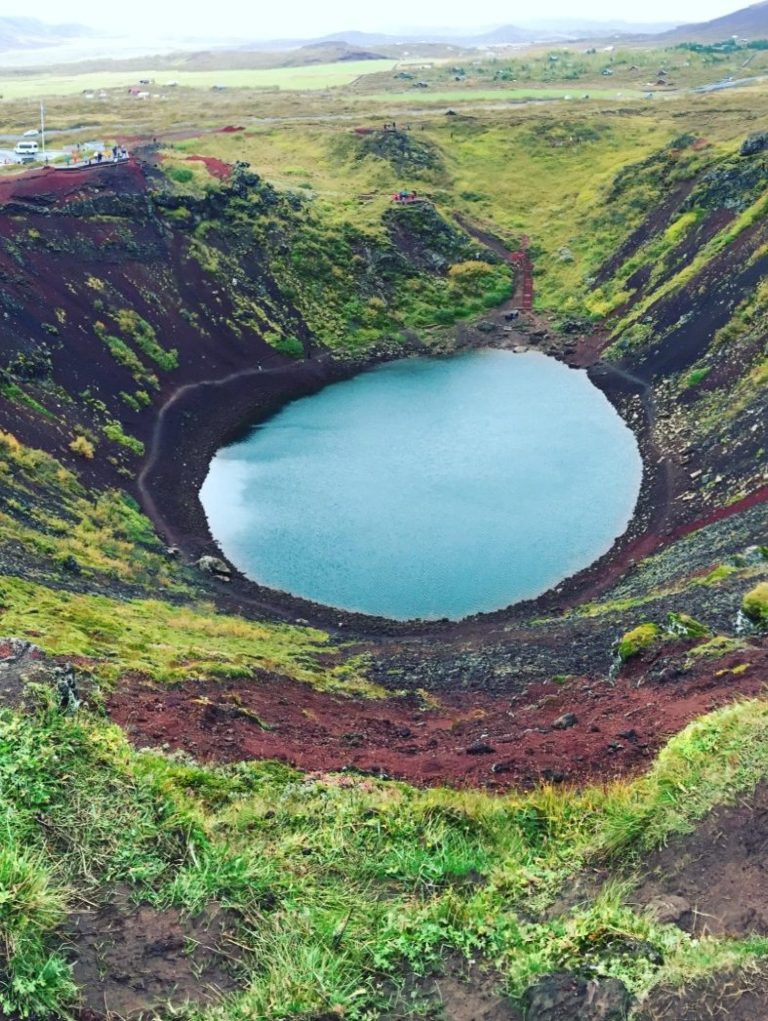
(748, 23)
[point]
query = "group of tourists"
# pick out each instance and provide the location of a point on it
(115, 155)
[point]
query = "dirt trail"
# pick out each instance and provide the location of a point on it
(520, 259)
(156, 448)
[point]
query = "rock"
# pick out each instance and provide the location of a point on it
(66, 688)
(754, 556)
(486, 326)
(754, 144)
(565, 996)
(669, 910)
(354, 740)
(480, 748)
(172, 552)
(565, 721)
(14, 649)
(213, 565)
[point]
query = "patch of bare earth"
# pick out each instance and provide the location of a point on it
(574, 733)
(463, 992)
(132, 960)
(735, 996)
(715, 880)
(20, 662)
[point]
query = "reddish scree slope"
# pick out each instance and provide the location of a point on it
(464, 740)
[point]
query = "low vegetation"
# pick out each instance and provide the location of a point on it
(345, 889)
(339, 884)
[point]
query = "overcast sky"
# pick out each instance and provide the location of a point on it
(304, 18)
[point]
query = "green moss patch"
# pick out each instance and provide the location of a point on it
(755, 603)
(638, 640)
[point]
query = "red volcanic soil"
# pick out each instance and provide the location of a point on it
(461, 741)
(67, 185)
(216, 168)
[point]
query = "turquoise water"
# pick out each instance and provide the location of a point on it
(429, 488)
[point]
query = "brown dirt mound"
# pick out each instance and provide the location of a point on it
(736, 996)
(130, 960)
(720, 871)
(462, 740)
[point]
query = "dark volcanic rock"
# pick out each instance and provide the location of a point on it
(754, 144)
(565, 721)
(480, 748)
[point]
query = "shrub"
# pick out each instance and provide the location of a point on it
(291, 347)
(181, 175)
(82, 446)
(695, 376)
(114, 431)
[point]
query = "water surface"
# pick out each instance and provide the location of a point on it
(429, 488)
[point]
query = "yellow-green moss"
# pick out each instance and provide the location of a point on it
(638, 640)
(755, 603)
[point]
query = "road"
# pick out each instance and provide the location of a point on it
(9, 156)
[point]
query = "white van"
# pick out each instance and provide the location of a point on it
(26, 151)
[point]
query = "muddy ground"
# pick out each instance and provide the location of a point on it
(734, 996)
(131, 960)
(460, 992)
(714, 880)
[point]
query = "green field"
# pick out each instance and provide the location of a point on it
(319, 76)
(503, 95)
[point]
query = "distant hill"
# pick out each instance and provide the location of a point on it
(29, 33)
(585, 26)
(747, 23)
(506, 34)
(329, 53)
(533, 32)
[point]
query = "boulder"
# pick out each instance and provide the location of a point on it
(669, 910)
(65, 681)
(754, 144)
(565, 721)
(213, 565)
(480, 748)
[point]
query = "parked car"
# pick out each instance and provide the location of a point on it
(26, 152)
(32, 133)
